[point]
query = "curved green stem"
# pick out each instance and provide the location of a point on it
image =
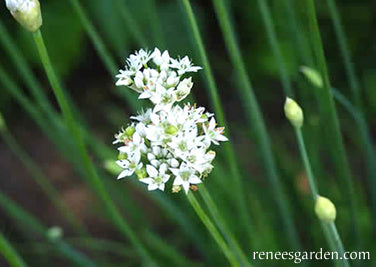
(212, 229)
(256, 121)
(9, 253)
(307, 165)
(216, 102)
(329, 111)
(91, 174)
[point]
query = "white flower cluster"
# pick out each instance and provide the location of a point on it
(167, 142)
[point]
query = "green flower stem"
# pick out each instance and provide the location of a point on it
(42, 180)
(212, 229)
(103, 53)
(214, 212)
(29, 223)
(272, 37)
(9, 253)
(24, 69)
(216, 102)
(329, 229)
(92, 175)
(338, 242)
(329, 111)
(355, 87)
(307, 165)
(256, 121)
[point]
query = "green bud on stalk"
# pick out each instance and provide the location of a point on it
(294, 113)
(325, 209)
(26, 12)
(313, 76)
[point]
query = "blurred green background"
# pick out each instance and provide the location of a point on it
(126, 26)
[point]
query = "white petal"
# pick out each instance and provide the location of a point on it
(123, 163)
(124, 174)
(175, 171)
(147, 180)
(161, 187)
(178, 181)
(186, 187)
(151, 170)
(144, 95)
(152, 187)
(212, 124)
(195, 180)
(221, 138)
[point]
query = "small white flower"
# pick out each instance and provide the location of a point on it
(183, 89)
(213, 134)
(143, 116)
(143, 56)
(156, 178)
(185, 176)
(124, 78)
(162, 98)
(136, 145)
(129, 165)
(184, 65)
(161, 60)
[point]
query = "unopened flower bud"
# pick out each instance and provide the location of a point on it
(294, 113)
(171, 129)
(312, 75)
(325, 209)
(26, 12)
(130, 131)
(54, 233)
(183, 89)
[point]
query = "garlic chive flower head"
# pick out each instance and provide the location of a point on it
(26, 12)
(157, 77)
(167, 145)
(325, 209)
(293, 113)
